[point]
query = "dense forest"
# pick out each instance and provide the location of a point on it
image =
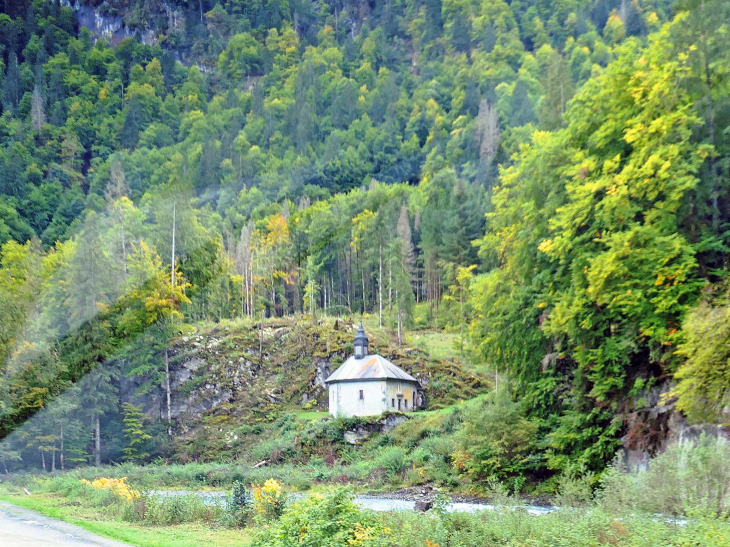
(547, 178)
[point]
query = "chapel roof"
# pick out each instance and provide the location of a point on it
(370, 367)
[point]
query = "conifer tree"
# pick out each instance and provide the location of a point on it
(134, 431)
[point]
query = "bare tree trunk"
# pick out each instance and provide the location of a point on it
(43, 460)
(390, 286)
(261, 339)
(97, 441)
(400, 340)
(53, 459)
(244, 291)
(167, 390)
(325, 294)
(273, 295)
(348, 264)
(251, 287)
(124, 245)
(380, 285)
(172, 260)
(61, 454)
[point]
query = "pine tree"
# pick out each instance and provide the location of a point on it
(134, 431)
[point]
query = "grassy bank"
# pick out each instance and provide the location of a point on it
(105, 523)
(306, 450)
(331, 518)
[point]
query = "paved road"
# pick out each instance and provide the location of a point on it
(23, 528)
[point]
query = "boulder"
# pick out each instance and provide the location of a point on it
(423, 505)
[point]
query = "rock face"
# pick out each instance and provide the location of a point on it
(365, 430)
(323, 371)
(655, 426)
(222, 371)
(94, 17)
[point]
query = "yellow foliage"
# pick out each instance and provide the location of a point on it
(362, 535)
(118, 486)
(277, 230)
(268, 498)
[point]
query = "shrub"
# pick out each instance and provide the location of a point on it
(118, 486)
(495, 440)
(240, 496)
(330, 519)
(575, 487)
(269, 499)
(239, 505)
(394, 460)
(218, 477)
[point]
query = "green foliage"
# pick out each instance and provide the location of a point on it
(134, 431)
(240, 496)
(704, 378)
(330, 519)
(595, 256)
(393, 459)
(496, 441)
(344, 164)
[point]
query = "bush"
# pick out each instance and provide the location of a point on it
(269, 499)
(575, 488)
(394, 460)
(323, 520)
(239, 505)
(218, 477)
(495, 440)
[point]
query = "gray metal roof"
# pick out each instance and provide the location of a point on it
(370, 367)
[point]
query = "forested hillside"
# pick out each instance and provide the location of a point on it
(548, 179)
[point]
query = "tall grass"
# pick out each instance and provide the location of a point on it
(690, 477)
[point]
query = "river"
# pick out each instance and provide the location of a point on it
(372, 502)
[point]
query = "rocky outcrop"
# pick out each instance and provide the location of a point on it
(220, 378)
(423, 505)
(656, 425)
(365, 429)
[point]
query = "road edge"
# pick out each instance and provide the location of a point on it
(60, 525)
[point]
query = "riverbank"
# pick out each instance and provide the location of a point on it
(681, 499)
(98, 522)
(378, 502)
(185, 519)
(429, 492)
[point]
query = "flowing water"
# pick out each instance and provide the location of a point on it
(374, 503)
